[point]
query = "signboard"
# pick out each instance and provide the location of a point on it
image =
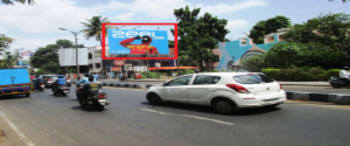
(67, 57)
(118, 62)
(138, 43)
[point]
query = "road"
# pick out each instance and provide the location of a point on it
(130, 120)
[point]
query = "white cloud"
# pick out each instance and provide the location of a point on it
(36, 25)
(237, 29)
(236, 24)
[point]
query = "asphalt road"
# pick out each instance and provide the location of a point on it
(130, 120)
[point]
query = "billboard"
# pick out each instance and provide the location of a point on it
(122, 41)
(138, 43)
(67, 57)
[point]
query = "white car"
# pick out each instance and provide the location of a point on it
(226, 92)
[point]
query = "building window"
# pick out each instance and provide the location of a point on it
(90, 55)
(91, 66)
(243, 42)
(98, 65)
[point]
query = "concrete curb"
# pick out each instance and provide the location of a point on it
(320, 97)
(308, 96)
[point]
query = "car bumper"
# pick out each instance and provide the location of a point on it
(250, 101)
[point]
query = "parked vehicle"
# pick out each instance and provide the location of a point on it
(15, 81)
(91, 94)
(50, 80)
(225, 92)
(60, 90)
(339, 82)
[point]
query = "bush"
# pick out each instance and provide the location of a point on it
(301, 74)
(333, 73)
(151, 75)
(254, 63)
(296, 74)
(184, 72)
(272, 72)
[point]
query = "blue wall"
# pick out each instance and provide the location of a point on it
(234, 50)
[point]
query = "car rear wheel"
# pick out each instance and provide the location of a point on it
(154, 99)
(224, 106)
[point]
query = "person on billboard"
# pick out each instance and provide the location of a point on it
(144, 48)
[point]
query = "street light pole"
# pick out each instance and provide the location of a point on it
(76, 49)
(76, 52)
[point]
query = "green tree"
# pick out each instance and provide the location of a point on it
(331, 31)
(93, 27)
(283, 55)
(64, 44)
(268, 26)
(9, 61)
(4, 43)
(254, 63)
(11, 2)
(46, 58)
(198, 36)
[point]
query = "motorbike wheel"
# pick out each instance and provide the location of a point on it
(83, 104)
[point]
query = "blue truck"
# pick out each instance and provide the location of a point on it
(15, 81)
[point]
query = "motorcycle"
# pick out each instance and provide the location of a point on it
(41, 86)
(60, 90)
(338, 83)
(87, 96)
(38, 85)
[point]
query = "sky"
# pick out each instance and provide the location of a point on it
(37, 25)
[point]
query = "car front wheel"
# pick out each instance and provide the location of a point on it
(153, 99)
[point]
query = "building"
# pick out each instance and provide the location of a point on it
(24, 57)
(232, 52)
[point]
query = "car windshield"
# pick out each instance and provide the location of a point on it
(252, 79)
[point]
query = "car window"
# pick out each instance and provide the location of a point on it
(185, 80)
(252, 79)
(206, 79)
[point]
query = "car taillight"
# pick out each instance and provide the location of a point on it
(281, 87)
(237, 88)
(101, 95)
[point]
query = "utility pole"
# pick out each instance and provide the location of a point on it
(76, 49)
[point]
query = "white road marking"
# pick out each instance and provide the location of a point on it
(159, 112)
(207, 119)
(189, 116)
(17, 131)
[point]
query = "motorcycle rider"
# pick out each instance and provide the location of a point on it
(60, 81)
(344, 73)
(86, 87)
(37, 80)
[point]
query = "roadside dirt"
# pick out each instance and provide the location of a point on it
(7, 136)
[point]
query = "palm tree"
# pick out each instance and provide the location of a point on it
(11, 2)
(93, 27)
